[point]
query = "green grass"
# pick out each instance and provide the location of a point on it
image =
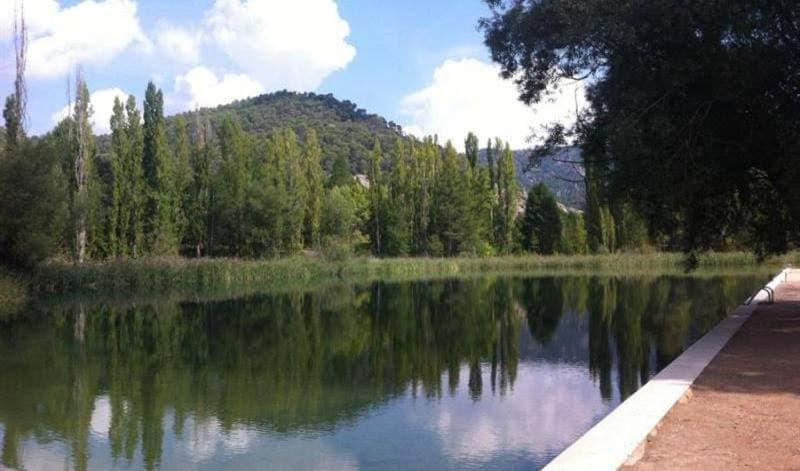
(160, 275)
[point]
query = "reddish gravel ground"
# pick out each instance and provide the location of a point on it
(744, 411)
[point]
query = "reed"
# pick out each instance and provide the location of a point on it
(193, 275)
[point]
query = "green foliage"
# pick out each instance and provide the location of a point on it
(573, 234)
(541, 222)
(161, 208)
(33, 197)
(507, 194)
(690, 113)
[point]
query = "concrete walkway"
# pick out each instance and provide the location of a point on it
(744, 411)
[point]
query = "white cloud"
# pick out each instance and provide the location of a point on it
(102, 102)
(282, 44)
(88, 33)
(469, 95)
(178, 43)
(200, 87)
(39, 14)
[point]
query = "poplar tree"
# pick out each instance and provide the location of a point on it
(82, 167)
(182, 179)
(398, 220)
(230, 188)
(471, 149)
(295, 189)
(199, 191)
(120, 148)
(315, 191)
(507, 194)
(135, 187)
(451, 210)
(375, 197)
(157, 162)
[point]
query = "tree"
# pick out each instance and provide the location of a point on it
(33, 210)
(315, 191)
(689, 107)
(507, 194)
(199, 190)
(157, 162)
(82, 167)
(120, 150)
(134, 198)
(231, 187)
(397, 237)
(340, 173)
(541, 222)
(12, 127)
(182, 179)
(451, 213)
(471, 149)
(376, 197)
(573, 234)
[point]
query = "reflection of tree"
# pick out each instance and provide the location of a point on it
(306, 362)
(543, 300)
(602, 299)
(288, 363)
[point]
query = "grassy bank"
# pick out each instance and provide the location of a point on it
(189, 275)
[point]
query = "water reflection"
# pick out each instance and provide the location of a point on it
(446, 374)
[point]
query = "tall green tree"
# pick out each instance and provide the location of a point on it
(507, 198)
(182, 179)
(541, 222)
(376, 198)
(83, 208)
(120, 150)
(573, 234)
(157, 161)
(451, 212)
(134, 198)
(398, 219)
(200, 190)
(471, 149)
(231, 186)
(315, 191)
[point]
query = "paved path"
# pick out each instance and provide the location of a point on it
(744, 412)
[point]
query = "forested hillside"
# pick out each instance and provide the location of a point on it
(562, 173)
(344, 129)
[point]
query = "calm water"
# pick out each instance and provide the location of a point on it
(496, 372)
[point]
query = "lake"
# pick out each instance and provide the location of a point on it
(451, 374)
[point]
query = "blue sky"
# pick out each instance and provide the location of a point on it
(421, 64)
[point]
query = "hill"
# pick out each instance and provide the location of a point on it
(343, 128)
(559, 171)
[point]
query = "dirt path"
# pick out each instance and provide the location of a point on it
(744, 412)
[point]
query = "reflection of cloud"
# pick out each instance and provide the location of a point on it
(550, 406)
(101, 417)
(207, 438)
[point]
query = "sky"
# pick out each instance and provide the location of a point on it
(421, 64)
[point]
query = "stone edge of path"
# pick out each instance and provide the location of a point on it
(621, 436)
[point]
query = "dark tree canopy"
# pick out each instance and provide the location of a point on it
(694, 111)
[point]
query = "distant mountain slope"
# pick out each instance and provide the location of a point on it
(563, 178)
(343, 128)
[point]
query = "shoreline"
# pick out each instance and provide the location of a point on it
(160, 275)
